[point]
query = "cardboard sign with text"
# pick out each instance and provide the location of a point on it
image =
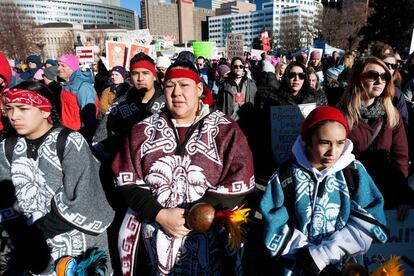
(400, 243)
(286, 121)
(85, 54)
(234, 45)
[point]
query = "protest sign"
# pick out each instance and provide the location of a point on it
(203, 48)
(116, 53)
(134, 49)
(286, 121)
(412, 43)
(85, 54)
(142, 37)
(265, 39)
(400, 243)
(234, 45)
(310, 52)
(165, 47)
(171, 37)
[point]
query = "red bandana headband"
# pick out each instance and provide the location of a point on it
(144, 64)
(181, 73)
(22, 96)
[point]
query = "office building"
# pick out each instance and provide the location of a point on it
(81, 12)
(234, 7)
(180, 18)
(272, 14)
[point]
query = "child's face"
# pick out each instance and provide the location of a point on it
(27, 120)
(327, 145)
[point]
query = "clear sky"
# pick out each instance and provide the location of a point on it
(131, 4)
(134, 5)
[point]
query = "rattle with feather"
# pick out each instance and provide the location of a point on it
(202, 215)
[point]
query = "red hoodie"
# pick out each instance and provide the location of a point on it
(5, 74)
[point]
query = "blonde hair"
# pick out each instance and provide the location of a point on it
(278, 67)
(348, 61)
(355, 93)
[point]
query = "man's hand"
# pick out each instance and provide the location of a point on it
(172, 221)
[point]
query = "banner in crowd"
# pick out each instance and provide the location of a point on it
(234, 45)
(85, 54)
(171, 37)
(115, 53)
(165, 47)
(203, 48)
(286, 121)
(142, 37)
(400, 243)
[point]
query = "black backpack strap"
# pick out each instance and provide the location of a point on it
(288, 187)
(352, 178)
(9, 144)
(285, 174)
(61, 142)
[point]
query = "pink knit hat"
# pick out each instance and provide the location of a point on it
(70, 60)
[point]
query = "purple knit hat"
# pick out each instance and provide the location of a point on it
(223, 69)
(121, 70)
(70, 60)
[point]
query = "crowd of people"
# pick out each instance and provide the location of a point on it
(104, 165)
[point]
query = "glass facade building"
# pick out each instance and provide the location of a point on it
(82, 12)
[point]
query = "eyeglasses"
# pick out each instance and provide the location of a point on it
(373, 76)
(241, 66)
(391, 65)
(292, 75)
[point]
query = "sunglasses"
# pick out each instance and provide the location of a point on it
(292, 75)
(391, 65)
(238, 66)
(373, 76)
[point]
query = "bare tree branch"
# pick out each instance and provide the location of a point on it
(19, 33)
(341, 28)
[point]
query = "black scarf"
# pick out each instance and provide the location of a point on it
(372, 112)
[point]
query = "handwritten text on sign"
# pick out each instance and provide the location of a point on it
(235, 44)
(286, 122)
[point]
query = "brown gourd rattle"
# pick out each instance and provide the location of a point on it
(202, 215)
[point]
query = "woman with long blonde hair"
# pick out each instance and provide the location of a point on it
(376, 128)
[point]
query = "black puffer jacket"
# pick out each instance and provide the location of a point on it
(125, 111)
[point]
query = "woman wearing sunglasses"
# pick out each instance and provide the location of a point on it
(377, 130)
(295, 87)
(398, 99)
